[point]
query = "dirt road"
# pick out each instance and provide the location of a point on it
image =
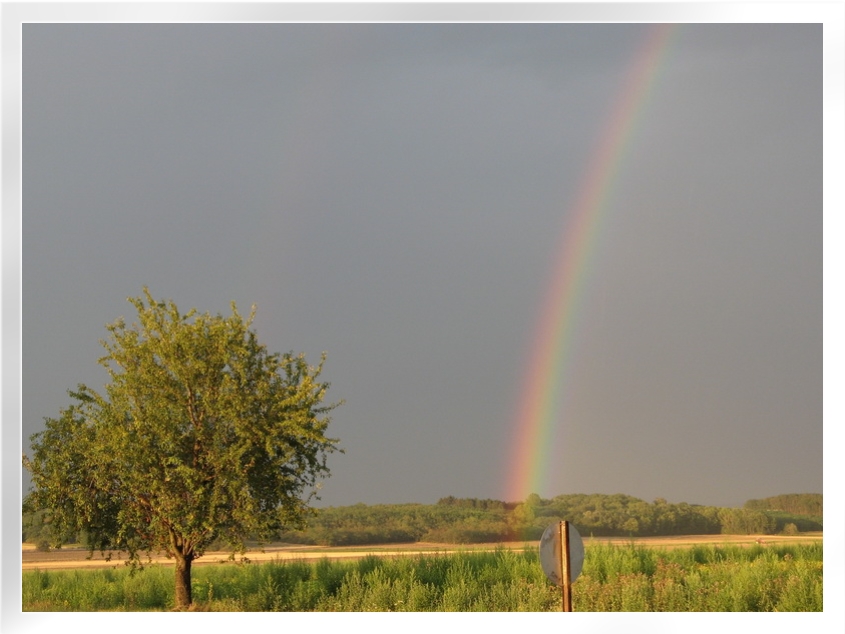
(70, 558)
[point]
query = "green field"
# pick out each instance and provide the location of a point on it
(614, 578)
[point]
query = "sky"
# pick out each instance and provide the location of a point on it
(397, 195)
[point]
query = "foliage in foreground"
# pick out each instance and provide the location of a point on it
(614, 578)
(201, 434)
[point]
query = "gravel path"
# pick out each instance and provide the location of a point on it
(69, 558)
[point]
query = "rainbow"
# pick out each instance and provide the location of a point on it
(549, 363)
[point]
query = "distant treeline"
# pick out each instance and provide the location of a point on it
(796, 503)
(471, 520)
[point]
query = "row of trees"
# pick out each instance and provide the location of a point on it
(624, 515)
(796, 503)
(397, 523)
(469, 520)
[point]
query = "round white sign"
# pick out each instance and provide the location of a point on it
(550, 547)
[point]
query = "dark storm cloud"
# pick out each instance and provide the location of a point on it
(393, 194)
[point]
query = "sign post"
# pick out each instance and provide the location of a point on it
(566, 572)
(562, 556)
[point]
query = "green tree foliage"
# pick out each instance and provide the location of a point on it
(473, 503)
(34, 527)
(795, 503)
(746, 522)
(469, 520)
(803, 510)
(201, 435)
(802, 523)
(618, 514)
(522, 521)
(402, 523)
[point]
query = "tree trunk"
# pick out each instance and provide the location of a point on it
(183, 582)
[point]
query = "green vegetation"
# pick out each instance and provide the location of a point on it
(470, 521)
(402, 523)
(614, 578)
(702, 579)
(201, 436)
(467, 521)
(809, 504)
(802, 510)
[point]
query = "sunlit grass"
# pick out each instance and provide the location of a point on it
(614, 578)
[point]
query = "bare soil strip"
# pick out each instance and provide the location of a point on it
(71, 558)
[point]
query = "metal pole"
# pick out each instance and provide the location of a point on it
(566, 572)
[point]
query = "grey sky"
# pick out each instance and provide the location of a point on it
(394, 194)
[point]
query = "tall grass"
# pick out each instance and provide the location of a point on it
(614, 578)
(701, 579)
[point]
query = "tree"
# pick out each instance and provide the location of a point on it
(745, 522)
(201, 435)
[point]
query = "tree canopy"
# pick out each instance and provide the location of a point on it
(801, 503)
(200, 435)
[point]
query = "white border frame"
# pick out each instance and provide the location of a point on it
(14, 15)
